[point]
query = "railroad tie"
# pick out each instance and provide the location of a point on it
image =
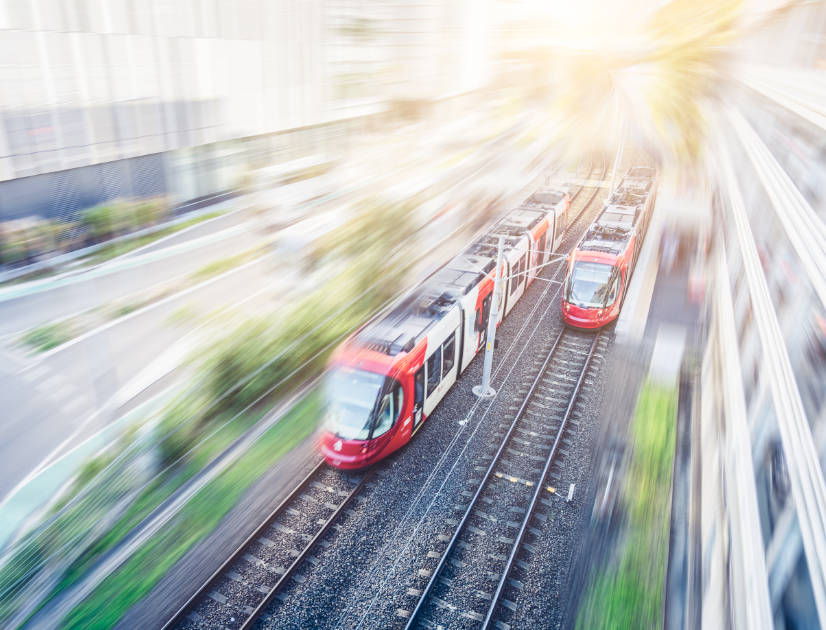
(254, 560)
(218, 597)
(444, 604)
(512, 524)
(470, 614)
(508, 604)
(516, 584)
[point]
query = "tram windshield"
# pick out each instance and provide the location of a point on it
(589, 284)
(361, 404)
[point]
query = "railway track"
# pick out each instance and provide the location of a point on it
(239, 592)
(579, 190)
(476, 580)
(243, 587)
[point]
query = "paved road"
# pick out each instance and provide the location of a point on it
(25, 306)
(38, 406)
(57, 398)
(66, 396)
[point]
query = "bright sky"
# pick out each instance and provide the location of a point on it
(605, 25)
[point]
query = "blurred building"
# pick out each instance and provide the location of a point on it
(761, 526)
(123, 98)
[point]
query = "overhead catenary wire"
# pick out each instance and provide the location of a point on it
(74, 502)
(404, 524)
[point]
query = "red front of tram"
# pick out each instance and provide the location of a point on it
(369, 405)
(593, 290)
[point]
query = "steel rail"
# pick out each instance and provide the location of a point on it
(539, 486)
(183, 610)
(178, 618)
(460, 528)
(285, 577)
(180, 614)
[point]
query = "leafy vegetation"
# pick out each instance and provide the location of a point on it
(222, 265)
(239, 378)
(48, 336)
(66, 524)
(112, 250)
(629, 593)
(197, 519)
(121, 216)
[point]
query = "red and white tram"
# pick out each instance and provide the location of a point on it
(388, 377)
(600, 267)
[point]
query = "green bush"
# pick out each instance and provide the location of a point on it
(150, 211)
(19, 570)
(100, 221)
(120, 216)
(629, 593)
(13, 250)
(48, 336)
(178, 428)
(122, 589)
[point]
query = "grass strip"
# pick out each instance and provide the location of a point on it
(152, 497)
(223, 265)
(629, 592)
(113, 250)
(48, 336)
(199, 517)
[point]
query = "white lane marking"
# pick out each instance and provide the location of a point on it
(148, 307)
(72, 405)
(163, 365)
(35, 372)
(73, 277)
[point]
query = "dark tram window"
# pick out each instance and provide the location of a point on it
(449, 350)
(434, 370)
(419, 385)
(516, 275)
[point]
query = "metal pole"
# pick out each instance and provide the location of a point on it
(620, 148)
(485, 390)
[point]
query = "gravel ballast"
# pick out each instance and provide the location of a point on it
(376, 560)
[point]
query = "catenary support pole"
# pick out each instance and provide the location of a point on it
(620, 148)
(485, 390)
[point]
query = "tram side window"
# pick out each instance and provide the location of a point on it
(434, 370)
(419, 386)
(386, 416)
(543, 243)
(398, 399)
(449, 353)
(516, 275)
(612, 294)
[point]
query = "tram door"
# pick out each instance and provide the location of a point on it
(418, 397)
(484, 316)
(541, 254)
